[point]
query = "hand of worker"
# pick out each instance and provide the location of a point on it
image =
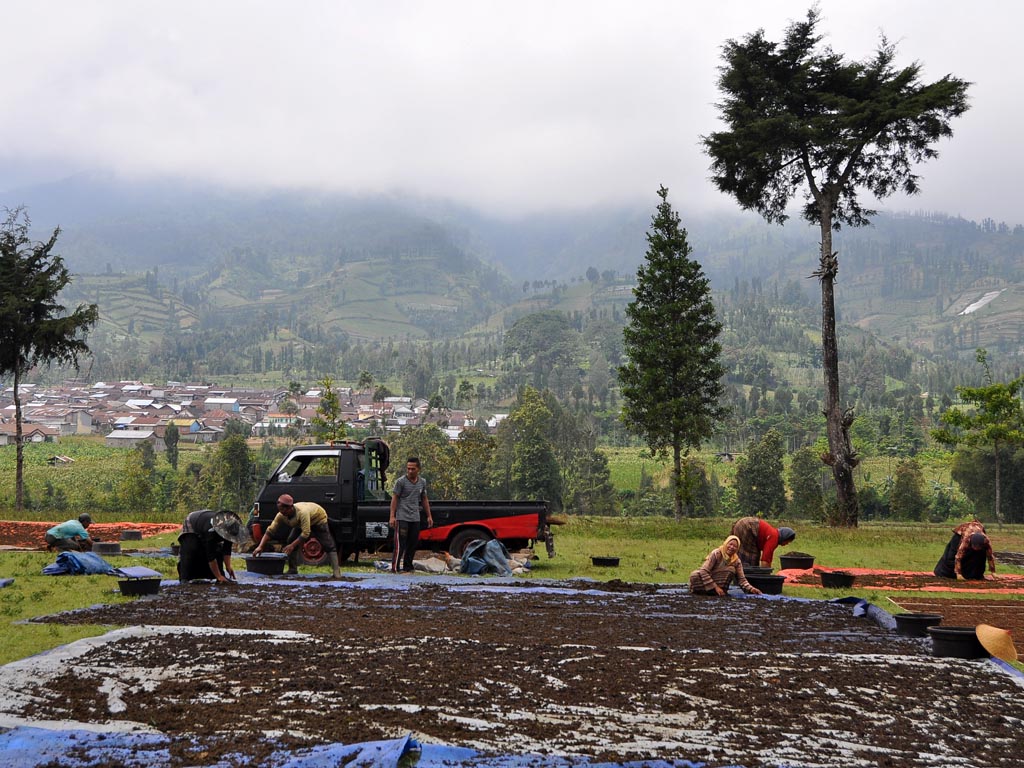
(430, 522)
(258, 551)
(719, 591)
(960, 577)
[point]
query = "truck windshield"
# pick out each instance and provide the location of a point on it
(316, 467)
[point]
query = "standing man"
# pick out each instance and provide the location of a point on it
(306, 519)
(409, 492)
(759, 539)
(206, 540)
(71, 535)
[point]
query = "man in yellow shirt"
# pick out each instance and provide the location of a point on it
(306, 519)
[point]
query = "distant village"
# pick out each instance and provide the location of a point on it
(128, 413)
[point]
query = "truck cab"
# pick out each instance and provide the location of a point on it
(349, 480)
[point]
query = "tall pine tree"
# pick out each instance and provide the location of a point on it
(799, 116)
(672, 380)
(33, 327)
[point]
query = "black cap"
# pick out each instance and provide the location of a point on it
(85, 518)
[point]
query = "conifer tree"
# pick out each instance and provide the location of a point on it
(799, 116)
(672, 380)
(33, 328)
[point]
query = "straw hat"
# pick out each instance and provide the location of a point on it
(997, 642)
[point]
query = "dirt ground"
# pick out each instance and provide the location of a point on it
(609, 671)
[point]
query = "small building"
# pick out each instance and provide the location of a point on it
(130, 438)
(30, 433)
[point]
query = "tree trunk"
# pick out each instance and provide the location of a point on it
(19, 455)
(677, 479)
(999, 516)
(840, 454)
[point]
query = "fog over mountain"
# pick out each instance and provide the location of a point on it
(529, 108)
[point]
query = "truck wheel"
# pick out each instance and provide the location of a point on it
(462, 538)
(313, 553)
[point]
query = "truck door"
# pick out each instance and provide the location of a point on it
(309, 475)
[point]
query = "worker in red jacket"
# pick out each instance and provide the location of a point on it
(759, 539)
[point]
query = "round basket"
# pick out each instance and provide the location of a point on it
(605, 562)
(131, 535)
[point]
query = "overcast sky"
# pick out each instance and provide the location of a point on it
(515, 106)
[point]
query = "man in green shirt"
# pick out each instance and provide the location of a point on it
(71, 535)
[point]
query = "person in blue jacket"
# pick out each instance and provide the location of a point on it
(71, 535)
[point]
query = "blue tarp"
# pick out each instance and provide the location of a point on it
(30, 747)
(78, 563)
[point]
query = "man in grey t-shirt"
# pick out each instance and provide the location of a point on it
(409, 492)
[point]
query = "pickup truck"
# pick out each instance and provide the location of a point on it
(349, 480)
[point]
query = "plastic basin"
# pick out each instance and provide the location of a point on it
(916, 624)
(271, 564)
(958, 642)
(798, 562)
(768, 583)
(138, 587)
(837, 579)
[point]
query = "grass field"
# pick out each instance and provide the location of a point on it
(654, 550)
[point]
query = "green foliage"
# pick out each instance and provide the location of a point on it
(437, 458)
(329, 423)
(760, 489)
(805, 484)
(799, 116)
(997, 419)
(33, 327)
(534, 471)
(671, 381)
(171, 437)
(548, 346)
(135, 491)
(231, 481)
(907, 499)
(474, 451)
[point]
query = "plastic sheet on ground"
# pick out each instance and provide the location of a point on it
(32, 744)
(32, 747)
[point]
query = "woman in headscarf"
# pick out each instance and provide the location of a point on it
(966, 553)
(721, 567)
